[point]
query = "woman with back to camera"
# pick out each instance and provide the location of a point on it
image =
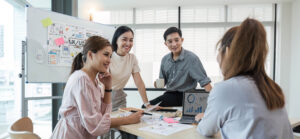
(247, 104)
(86, 105)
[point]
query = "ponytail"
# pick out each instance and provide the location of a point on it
(247, 55)
(77, 63)
(93, 44)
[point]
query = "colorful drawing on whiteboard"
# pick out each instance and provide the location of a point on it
(65, 41)
(53, 56)
(90, 33)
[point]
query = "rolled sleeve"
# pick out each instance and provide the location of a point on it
(161, 72)
(198, 72)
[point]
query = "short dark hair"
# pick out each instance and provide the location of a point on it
(171, 30)
(120, 30)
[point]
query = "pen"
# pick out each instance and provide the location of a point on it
(142, 113)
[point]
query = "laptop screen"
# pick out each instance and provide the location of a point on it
(194, 102)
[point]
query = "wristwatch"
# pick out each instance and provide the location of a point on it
(146, 104)
(108, 90)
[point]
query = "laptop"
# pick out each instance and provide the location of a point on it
(194, 102)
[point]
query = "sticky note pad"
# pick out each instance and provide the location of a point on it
(59, 41)
(46, 22)
(170, 120)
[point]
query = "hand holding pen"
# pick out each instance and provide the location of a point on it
(135, 117)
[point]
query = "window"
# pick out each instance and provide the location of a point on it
(262, 12)
(12, 32)
(203, 14)
(156, 16)
(202, 27)
(114, 17)
(1, 41)
(202, 41)
(9, 68)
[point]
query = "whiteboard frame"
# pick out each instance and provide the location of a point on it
(36, 40)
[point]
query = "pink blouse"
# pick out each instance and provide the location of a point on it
(83, 114)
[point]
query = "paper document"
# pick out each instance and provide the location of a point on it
(164, 128)
(152, 107)
(151, 120)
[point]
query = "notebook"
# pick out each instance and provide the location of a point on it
(193, 102)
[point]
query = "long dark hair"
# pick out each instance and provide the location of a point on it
(94, 44)
(247, 55)
(120, 30)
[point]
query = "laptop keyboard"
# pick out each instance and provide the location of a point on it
(187, 120)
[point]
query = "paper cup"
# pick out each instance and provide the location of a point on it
(160, 83)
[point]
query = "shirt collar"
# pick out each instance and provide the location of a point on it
(181, 56)
(118, 56)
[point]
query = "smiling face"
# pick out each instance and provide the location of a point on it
(101, 59)
(125, 43)
(174, 43)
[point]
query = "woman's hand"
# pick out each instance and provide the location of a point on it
(105, 78)
(199, 116)
(135, 117)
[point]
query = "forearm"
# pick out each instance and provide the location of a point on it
(142, 91)
(107, 97)
(116, 122)
(141, 86)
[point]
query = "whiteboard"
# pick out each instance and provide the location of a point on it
(37, 67)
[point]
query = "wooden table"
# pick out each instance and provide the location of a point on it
(190, 133)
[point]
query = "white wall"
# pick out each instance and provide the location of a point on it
(288, 55)
(294, 96)
(283, 50)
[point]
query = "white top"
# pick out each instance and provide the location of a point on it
(121, 68)
(237, 109)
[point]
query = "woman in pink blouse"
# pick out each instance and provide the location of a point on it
(86, 105)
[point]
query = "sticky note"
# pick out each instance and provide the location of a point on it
(46, 22)
(170, 120)
(59, 41)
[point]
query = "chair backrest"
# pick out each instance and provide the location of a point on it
(295, 123)
(22, 129)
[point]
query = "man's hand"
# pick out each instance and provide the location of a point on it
(207, 87)
(155, 84)
(157, 107)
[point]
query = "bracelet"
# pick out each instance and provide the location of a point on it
(146, 104)
(108, 90)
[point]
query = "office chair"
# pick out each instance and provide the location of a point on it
(22, 129)
(296, 129)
